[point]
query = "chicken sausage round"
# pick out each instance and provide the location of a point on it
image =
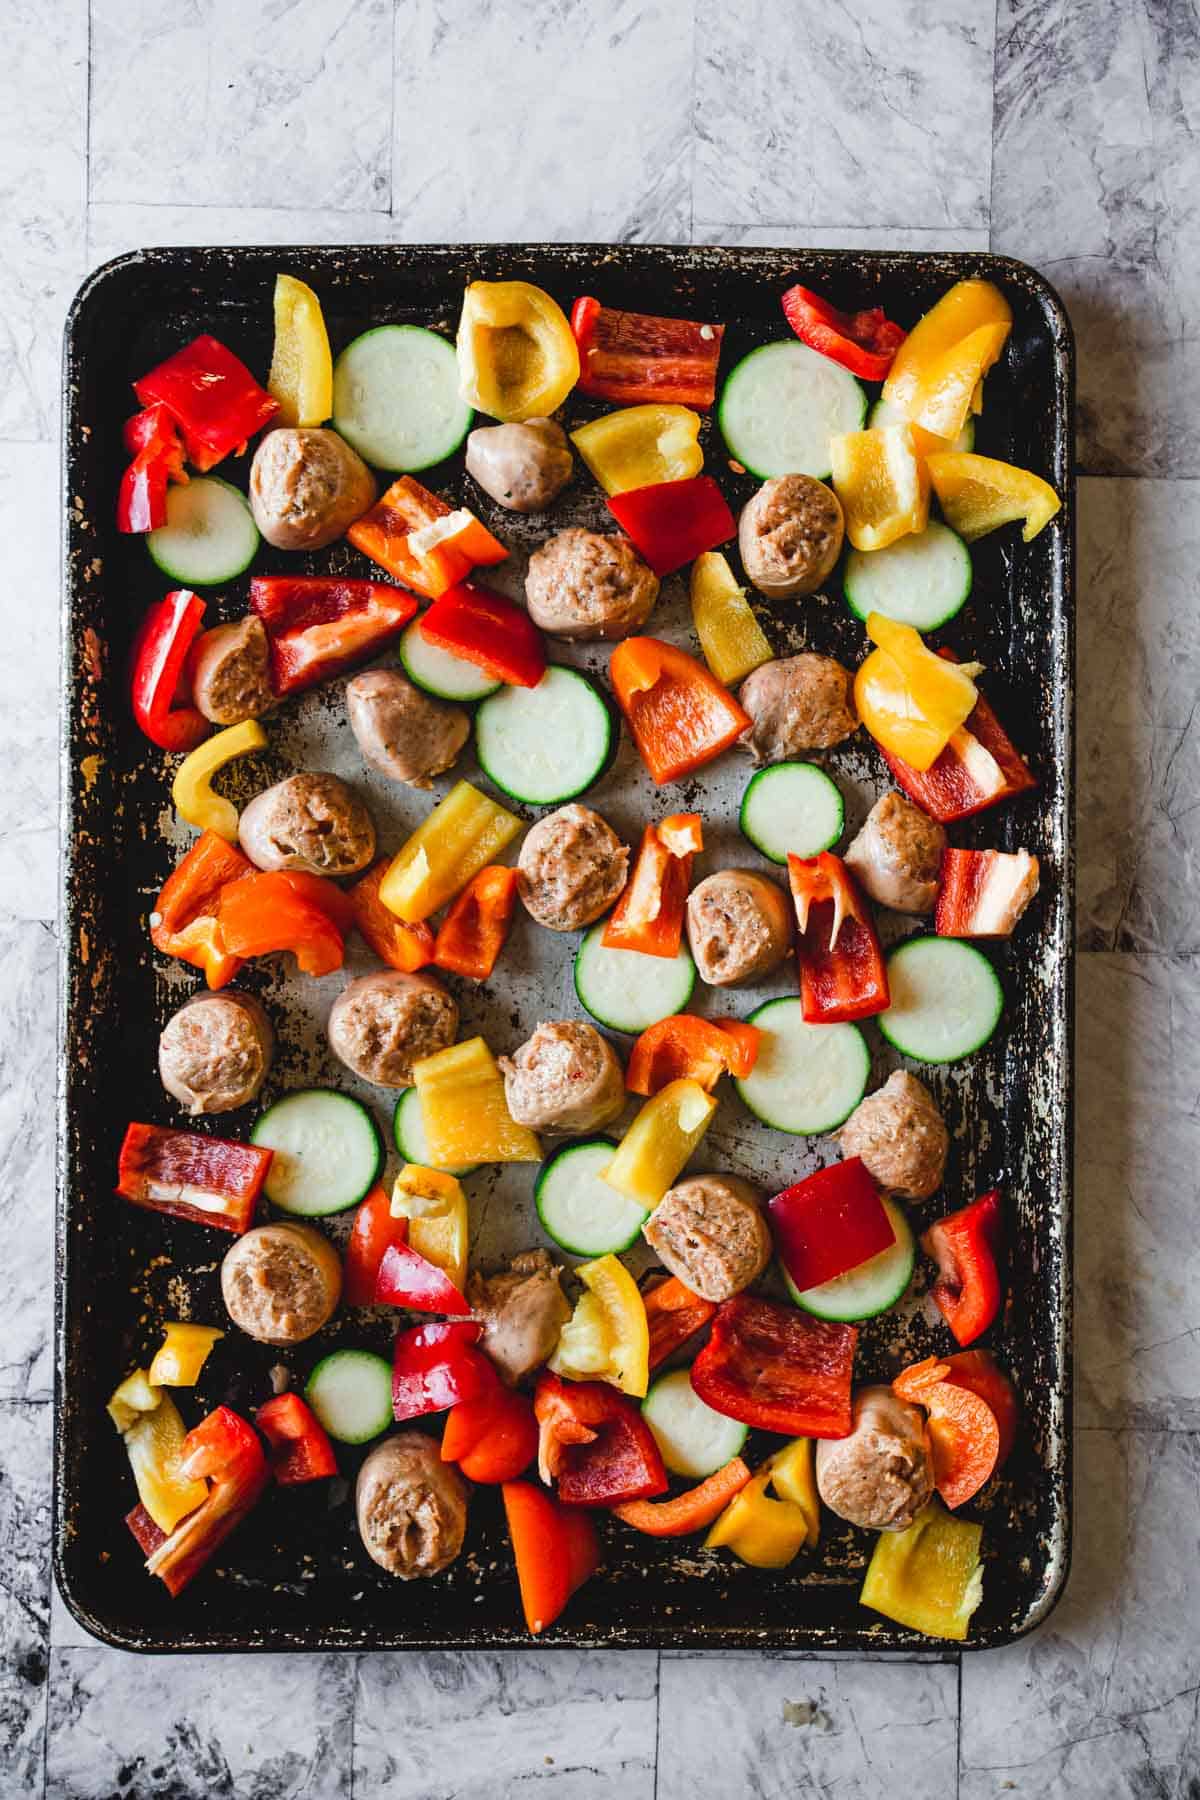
(382, 1024)
(739, 927)
(281, 1282)
(525, 467)
(522, 1309)
(411, 1506)
(790, 535)
(401, 731)
(571, 868)
(231, 672)
(898, 855)
(214, 1053)
(310, 822)
(566, 1077)
(710, 1232)
(306, 486)
(882, 1474)
(901, 1137)
(582, 585)
(798, 703)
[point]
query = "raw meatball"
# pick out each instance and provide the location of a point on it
(571, 868)
(790, 535)
(882, 1474)
(401, 731)
(309, 822)
(214, 1053)
(898, 855)
(230, 668)
(582, 585)
(525, 467)
(382, 1024)
(565, 1078)
(411, 1506)
(523, 1310)
(281, 1283)
(799, 703)
(739, 926)
(710, 1231)
(901, 1137)
(306, 486)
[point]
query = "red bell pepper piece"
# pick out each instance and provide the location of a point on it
(212, 1180)
(771, 1366)
(320, 625)
(594, 1441)
(829, 1222)
(673, 522)
(472, 934)
(686, 1512)
(674, 1314)
(226, 1450)
(966, 1247)
(271, 910)
(631, 357)
(436, 1366)
(154, 430)
(684, 1048)
(401, 946)
(300, 1446)
(863, 342)
(184, 921)
(984, 892)
(978, 1370)
(842, 971)
(156, 670)
(979, 768)
(406, 1278)
(649, 915)
(555, 1549)
(153, 441)
(213, 398)
(373, 1230)
(493, 1439)
(486, 629)
(679, 714)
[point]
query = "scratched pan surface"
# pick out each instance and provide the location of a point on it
(294, 1576)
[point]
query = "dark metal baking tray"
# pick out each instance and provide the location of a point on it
(293, 1577)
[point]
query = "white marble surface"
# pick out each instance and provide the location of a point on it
(1062, 133)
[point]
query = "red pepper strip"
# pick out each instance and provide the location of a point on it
(401, 946)
(373, 1231)
(406, 1278)
(772, 1366)
(157, 661)
(842, 971)
(630, 357)
(226, 1450)
(954, 786)
(964, 1435)
(267, 912)
(214, 398)
(617, 1460)
(828, 1223)
(436, 1366)
(211, 1180)
(674, 1314)
(186, 909)
(154, 444)
(984, 892)
(489, 631)
(492, 1440)
(979, 1371)
(686, 1512)
(384, 531)
(863, 342)
(471, 936)
(300, 1446)
(679, 714)
(320, 625)
(154, 430)
(555, 1549)
(673, 522)
(684, 1048)
(966, 1247)
(650, 913)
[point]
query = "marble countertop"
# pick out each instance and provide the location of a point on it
(1064, 134)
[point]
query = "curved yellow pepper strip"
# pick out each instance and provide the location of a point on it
(607, 1337)
(192, 790)
(301, 377)
(517, 355)
(435, 1206)
(659, 1142)
(182, 1353)
(153, 1432)
(730, 636)
(963, 309)
(766, 1533)
(882, 483)
(641, 446)
(977, 494)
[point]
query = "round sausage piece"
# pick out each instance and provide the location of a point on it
(281, 1283)
(901, 1137)
(523, 1310)
(214, 1052)
(411, 1506)
(790, 535)
(231, 672)
(571, 868)
(382, 1024)
(401, 731)
(582, 585)
(525, 467)
(710, 1232)
(566, 1077)
(882, 1474)
(306, 486)
(310, 822)
(898, 855)
(798, 703)
(739, 926)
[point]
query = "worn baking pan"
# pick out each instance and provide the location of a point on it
(294, 1576)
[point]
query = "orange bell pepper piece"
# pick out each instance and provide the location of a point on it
(423, 542)
(472, 934)
(964, 1434)
(401, 946)
(649, 915)
(555, 1548)
(673, 1315)
(492, 1439)
(184, 921)
(283, 911)
(697, 1049)
(680, 714)
(686, 1512)
(978, 1370)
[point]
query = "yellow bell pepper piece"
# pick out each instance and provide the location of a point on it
(640, 446)
(882, 483)
(925, 358)
(154, 1439)
(182, 1354)
(951, 386)
(464, 1111)
(192, 790)
(301, 377)
(462, 834)
(766, 1533)
(929, 1577)
(436, 1209)
(730, 635)
(517, 355)
(659, 1142)
(793, 1476)
(133, 1397)
(977, 494)
(911, 701)
(607, 1337)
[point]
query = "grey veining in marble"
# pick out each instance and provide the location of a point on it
(24, 1593)
(28, 956)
